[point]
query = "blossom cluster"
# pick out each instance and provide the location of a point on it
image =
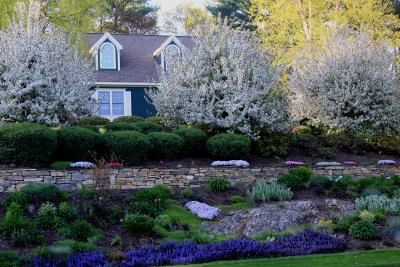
(237, 163)
(174, 253)
(330, 163)
(114, 165)
(83, 164)
(12, 165)
(349, 163)
(296, 163)
(386, 162)
(202, 210)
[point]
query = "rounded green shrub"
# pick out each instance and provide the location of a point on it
(93, 120)
(364, 230)
(27, 144)
(81, 230)
(138, 224)
(67, 212)
(61, 165)
(130, 147)
(46, 215)
(15, 220)
(37, 194)
(128, 119)
(273, 145)
(75, 143)
(187, 193)
(297, 178)
(237, 199)
(148, 126)
(194, 140)
(122, 126)
(165, 146)
(218, 184)
(229, 146)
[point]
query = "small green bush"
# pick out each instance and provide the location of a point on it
(122, 126)
(320, 183)
(74, 143)
(93, 120)
(128, 119)
(347, 221)
(370, 191)
(149, 201)
(148, 127)
(138, 224)
(27, 144)
(46, 215)
(194, 140)
(396, 194)
(61, 165)
(187, 193)
(384, 185)
(229, 146)
(11, 259)
(267, 192)
(81, 230)
(130, 147)
(165, 146)
(218, 185)
(237, 199)
(67, 212)
(364, 230)
(15, 220)
(145, 208)
(87, 194)
(382, 203)
(297, 178)
(21, 237)
(273, 145)
(76, 246)
(367, 216)
(38, 193)
(393, 228)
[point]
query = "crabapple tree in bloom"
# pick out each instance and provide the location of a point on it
(43, 77)
(348, 84)
(226, 81)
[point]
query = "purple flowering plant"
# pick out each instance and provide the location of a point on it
(237, 163)
(295, 163)
(386, 162)
(83, 164)
(173, 253)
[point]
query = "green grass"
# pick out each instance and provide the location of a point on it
(377, 258)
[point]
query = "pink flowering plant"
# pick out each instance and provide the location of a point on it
(202, 210)
(114, 165)
(294, 163)
(350, 163)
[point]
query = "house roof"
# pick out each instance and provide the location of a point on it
(138, 65)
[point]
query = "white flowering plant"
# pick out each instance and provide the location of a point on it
(43, 76)
(348, 84)
(386, 162)
(225, 81)
(83, 164)
(202, 210)
(237, 163)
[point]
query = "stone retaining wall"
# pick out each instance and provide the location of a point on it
(132, 178)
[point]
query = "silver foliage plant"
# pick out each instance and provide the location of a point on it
(350, 84)
(43, 77)
(226, 81)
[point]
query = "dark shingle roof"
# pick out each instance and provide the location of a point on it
(137, 61)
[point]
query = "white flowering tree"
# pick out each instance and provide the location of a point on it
(43, 77)
(348, 84)
(226, 81)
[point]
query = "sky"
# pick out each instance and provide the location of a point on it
(171, 4)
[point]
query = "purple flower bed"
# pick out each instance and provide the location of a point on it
(171, 253)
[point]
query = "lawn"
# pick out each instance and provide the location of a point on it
(382, 258)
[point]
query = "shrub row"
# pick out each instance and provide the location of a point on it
(35, 145)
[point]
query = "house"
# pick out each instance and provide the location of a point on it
(126, 66)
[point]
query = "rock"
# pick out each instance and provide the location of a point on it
(31, 209)
(277, 217)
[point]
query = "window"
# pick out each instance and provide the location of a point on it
(111, 103)
(108, 56)
(172, 55)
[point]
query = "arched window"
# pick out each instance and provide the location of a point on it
(108, 56)
(171, 56)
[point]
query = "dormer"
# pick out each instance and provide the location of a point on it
(170, 51)
(107, 53)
